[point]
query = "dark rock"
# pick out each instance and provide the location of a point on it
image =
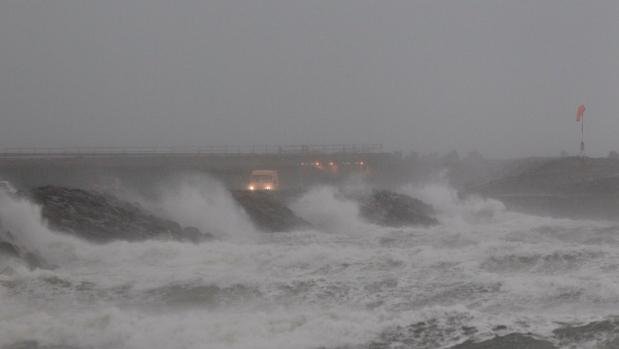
(102, 218)
(391, 209)
(193, 234)
(267, 212)
(510, 341)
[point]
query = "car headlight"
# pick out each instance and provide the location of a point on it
(251, 187)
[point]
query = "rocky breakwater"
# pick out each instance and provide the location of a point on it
(568, 187)
(102, 218)
(387, 208)
(268, 211)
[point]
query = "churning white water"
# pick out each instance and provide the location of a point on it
(345, 283)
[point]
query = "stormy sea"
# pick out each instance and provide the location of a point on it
(197, 266)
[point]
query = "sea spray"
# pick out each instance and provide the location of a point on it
(22, 225)
(202, 202)
(330, 210)
(451, 206)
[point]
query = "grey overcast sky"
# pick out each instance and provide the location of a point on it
(502, 77)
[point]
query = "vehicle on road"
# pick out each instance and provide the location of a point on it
(263, 180)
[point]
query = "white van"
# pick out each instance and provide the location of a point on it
(263, 180)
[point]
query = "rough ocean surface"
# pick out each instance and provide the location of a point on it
(484, 277)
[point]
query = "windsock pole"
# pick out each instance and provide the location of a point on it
(582, 137)
(580, 117)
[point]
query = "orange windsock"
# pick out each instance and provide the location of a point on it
(580, 113)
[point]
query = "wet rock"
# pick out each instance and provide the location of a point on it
(268, 212)
(391, 209)
(510, 341)
(193, 234)
(102, 218)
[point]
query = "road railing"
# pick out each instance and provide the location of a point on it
(224, 150)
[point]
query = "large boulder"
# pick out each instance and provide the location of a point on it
(391, 209)
(102, 218)
(268, 212)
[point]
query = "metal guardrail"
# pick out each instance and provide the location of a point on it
(35, 152)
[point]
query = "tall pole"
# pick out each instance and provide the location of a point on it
(582, 136)
(580, 117)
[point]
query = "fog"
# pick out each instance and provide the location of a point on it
(501, 77)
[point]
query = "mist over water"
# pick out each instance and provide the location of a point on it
(344, 282)
(453, 209)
